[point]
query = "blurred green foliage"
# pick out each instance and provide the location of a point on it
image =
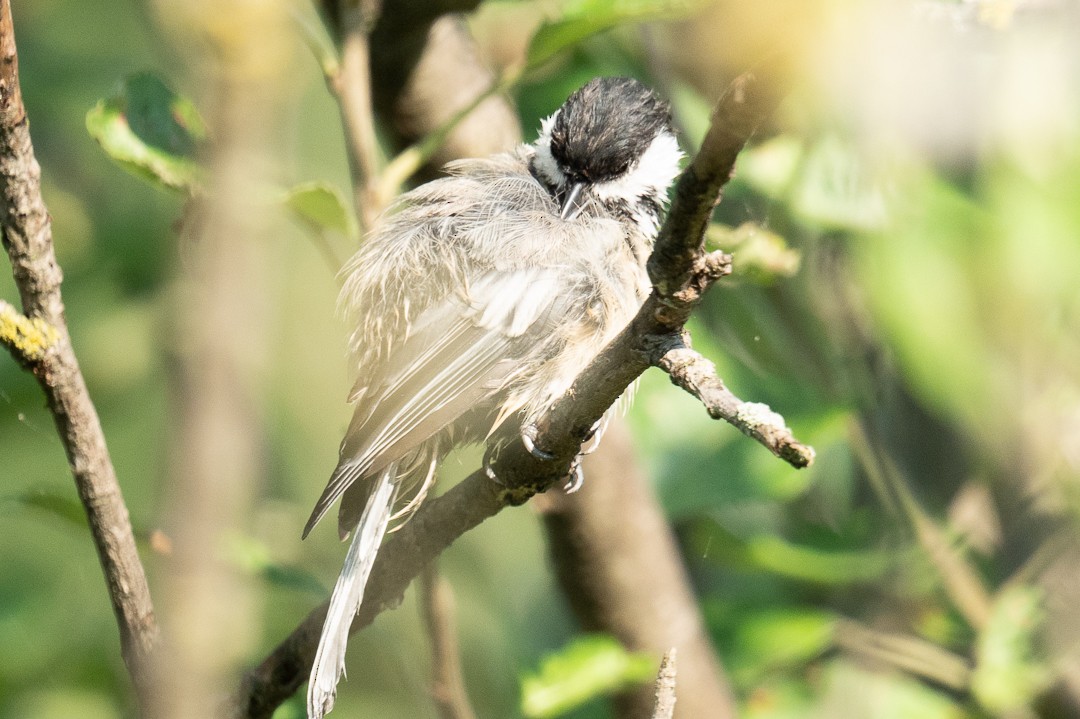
(149, 129)
(592, 665)
(911, 311)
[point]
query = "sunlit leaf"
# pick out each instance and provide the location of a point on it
(835, 189)
(583, 18)
(321, 206)
(589, 667)
(1007, 675)
(759, 253)
(869, 692)
(824, 183)
(771, 166)
(151, 131)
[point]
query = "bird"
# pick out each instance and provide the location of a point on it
(476, 302)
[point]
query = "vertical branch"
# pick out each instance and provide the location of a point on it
(210, 609)
(448, 686)
(27, 237)
(622, 574)
(352, 87)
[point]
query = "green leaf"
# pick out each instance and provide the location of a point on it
(771, 167)
(1007, 675)
(59, 504)
(771, 553)
(825, 183)
(583, 18)
(588, 667)
(322, 207)
(759, 253)
(836, 189)
(151, 131)
(254, 557)
(776, 638)
(815, 565)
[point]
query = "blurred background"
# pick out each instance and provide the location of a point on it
(906, 230)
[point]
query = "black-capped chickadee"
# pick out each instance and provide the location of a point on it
(478, 301)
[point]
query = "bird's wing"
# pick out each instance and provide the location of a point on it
(458, 353)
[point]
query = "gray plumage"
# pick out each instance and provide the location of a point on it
(477, 302)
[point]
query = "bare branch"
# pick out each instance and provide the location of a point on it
(665, 687)
(911, 654)
(27, 237)
(448, 685)
(351, 84)
(697, 375)
(679, 267)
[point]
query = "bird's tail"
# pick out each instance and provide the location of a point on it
(329, 663)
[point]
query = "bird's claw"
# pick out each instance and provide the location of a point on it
(575, 478)
(528, 438)
(594, 435)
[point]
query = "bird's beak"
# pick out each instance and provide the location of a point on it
(575, 201)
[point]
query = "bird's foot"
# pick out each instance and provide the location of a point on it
(528, 438)
(576, 477)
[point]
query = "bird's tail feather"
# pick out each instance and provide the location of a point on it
(329, 663)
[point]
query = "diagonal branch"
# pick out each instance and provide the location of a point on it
(682, 271)
(27, 237)
(697, 375)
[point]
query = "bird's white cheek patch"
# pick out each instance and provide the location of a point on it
(650, 177)
(543, 161)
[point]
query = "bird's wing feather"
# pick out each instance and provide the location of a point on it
(458, 353)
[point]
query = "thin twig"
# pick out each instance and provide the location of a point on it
(959, 578)
(27, 237)
(665, 687)
(697, 375)
(412, 158)
(907, 653)
(447, 685)
(351, 85)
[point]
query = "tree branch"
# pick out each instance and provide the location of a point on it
(697, 375)
(665, 687)
(622, 574)
(448, 685)
(566, 425)
(351, 85)
(27, 237)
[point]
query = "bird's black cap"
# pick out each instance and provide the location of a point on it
(605, 126)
